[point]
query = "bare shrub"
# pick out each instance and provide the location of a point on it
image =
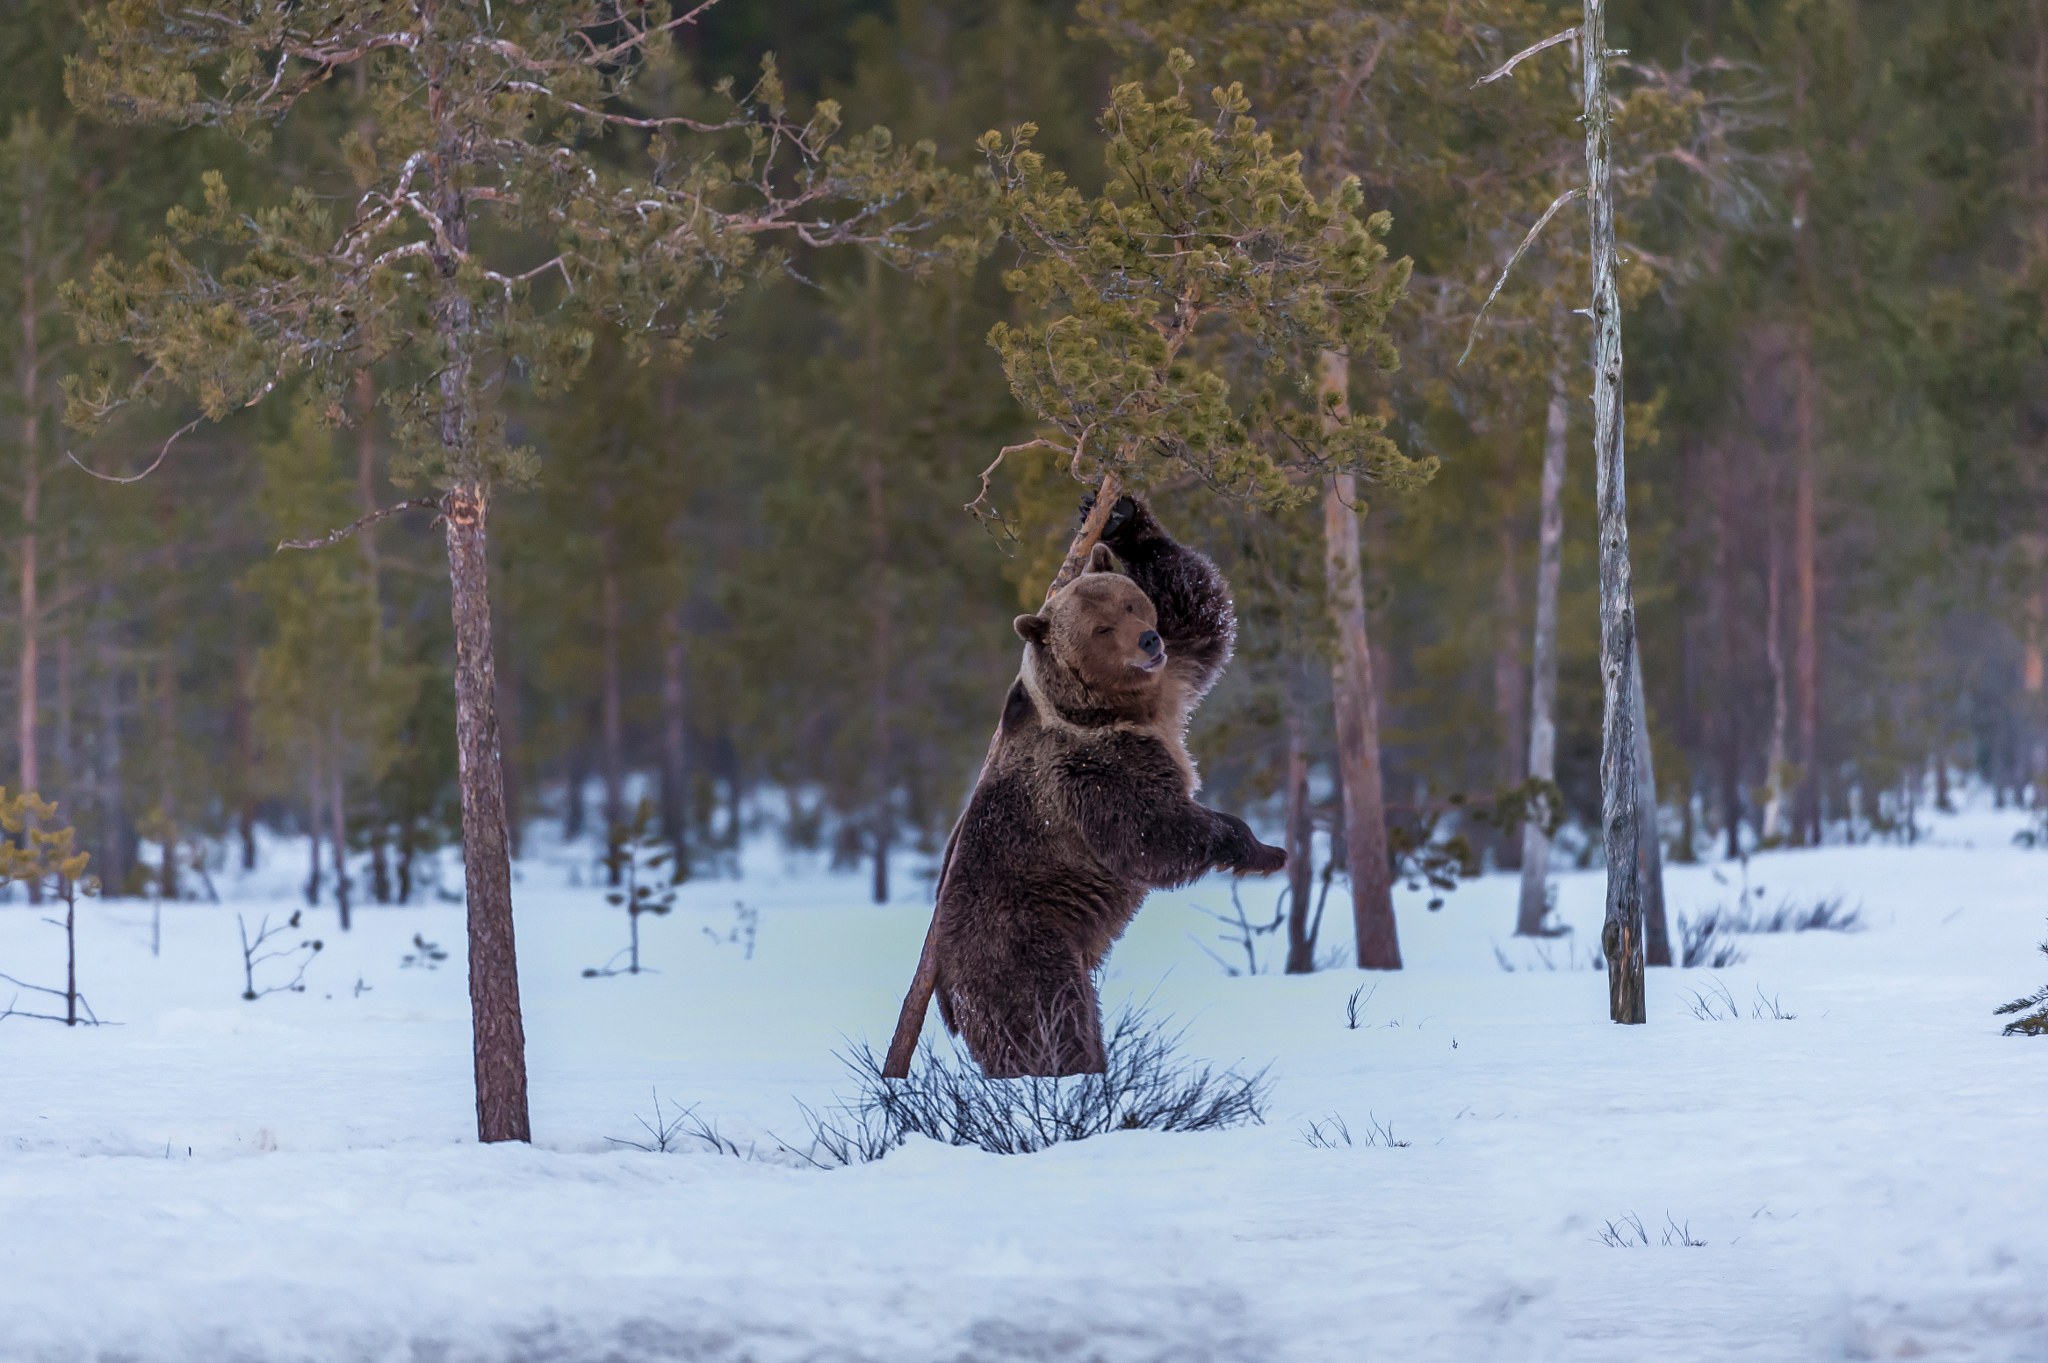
(680, 1128)
(1333, 1131)
(1147, 1086)
(1717, 1004)
(1630, 1233)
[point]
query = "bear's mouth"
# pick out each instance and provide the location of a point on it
(1152, 666)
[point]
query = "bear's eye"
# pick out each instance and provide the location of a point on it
(1104, 629)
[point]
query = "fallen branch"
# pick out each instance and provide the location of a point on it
(337, 536)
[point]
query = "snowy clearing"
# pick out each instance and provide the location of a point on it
(297, 1178)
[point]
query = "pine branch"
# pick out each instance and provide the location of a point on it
(359, 523)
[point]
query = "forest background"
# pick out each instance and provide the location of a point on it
(747, 583)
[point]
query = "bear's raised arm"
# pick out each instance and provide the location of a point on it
(1197, 621)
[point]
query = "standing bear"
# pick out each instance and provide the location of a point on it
(1086, 801)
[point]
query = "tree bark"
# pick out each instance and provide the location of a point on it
(675, 769)
(508, 757)
(314, 797)
(366, 498)
(1507, 671)
(116, 844)
(1622, 934)
(1722, 588)
(500, 1034)
(1543, 661)
(337, 816)
(31, 507)
(1358, 739)
(611, 711)
(1301, 945)
(1806, 810)
(1774, 654)
(1650, 846)
(882, 774)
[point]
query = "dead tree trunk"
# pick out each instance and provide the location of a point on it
(1622, 935)
(1507, 669)
(1301, 945)
(1357, 705)
(1543, 660)
(1650, 846)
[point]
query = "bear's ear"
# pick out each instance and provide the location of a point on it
(1100, 559)
(1031, 628)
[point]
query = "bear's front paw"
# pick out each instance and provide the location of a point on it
(1128, 522)
(1263, 860)
(1245, 854)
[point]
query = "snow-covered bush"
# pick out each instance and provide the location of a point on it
(1148, 1086)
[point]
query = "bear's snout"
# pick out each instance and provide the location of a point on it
(1149, 641)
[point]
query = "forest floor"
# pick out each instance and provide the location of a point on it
(297, 1178)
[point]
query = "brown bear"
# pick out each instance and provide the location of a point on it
(1086, 801)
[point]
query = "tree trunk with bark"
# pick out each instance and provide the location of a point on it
(1543, 653)
(1806, 653)
(675, 737)
(1357, 705)
(337, 821)
(1301, 831)
(1621, 936)
(1774, 655)
(1507, 673)
(500, 1033)
(1722, 590)
(1650, 846)
(611, 705)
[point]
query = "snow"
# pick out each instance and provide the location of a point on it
(297, 1178)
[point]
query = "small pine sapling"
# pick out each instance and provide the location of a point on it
(49, 864)
(254, 955)
(637, 850)
(2034, 1023)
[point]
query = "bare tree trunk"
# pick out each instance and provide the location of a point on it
(500, 1034)
(1358, 739)
(1806, 811)
(115, 846)
(675, 770)
(242, 738)
(1622, 935)
(337, 814)
(366, 497)
(1650, 846)
(167, 766)
(314, 789)
(1543, 668)
(1722, 589)
(67, 751)
(31, 506)
(883, 773)
(1301, 946)
(1507, 673)
(501, 1112)
(612, 705)
(1774, 655)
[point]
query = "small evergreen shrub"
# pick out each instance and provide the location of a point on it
(2034, 1023)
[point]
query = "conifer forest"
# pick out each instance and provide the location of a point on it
(455, 453)
(742, 544)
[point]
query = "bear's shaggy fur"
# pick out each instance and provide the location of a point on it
(1086, 801)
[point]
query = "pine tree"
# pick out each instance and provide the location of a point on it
(486, 157)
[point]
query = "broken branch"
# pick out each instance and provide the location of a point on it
(1548, 214)
(337, 536)
(1512, 62)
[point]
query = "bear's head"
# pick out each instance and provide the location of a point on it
(1095, 651)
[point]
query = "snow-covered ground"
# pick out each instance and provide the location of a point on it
(297, 1178)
